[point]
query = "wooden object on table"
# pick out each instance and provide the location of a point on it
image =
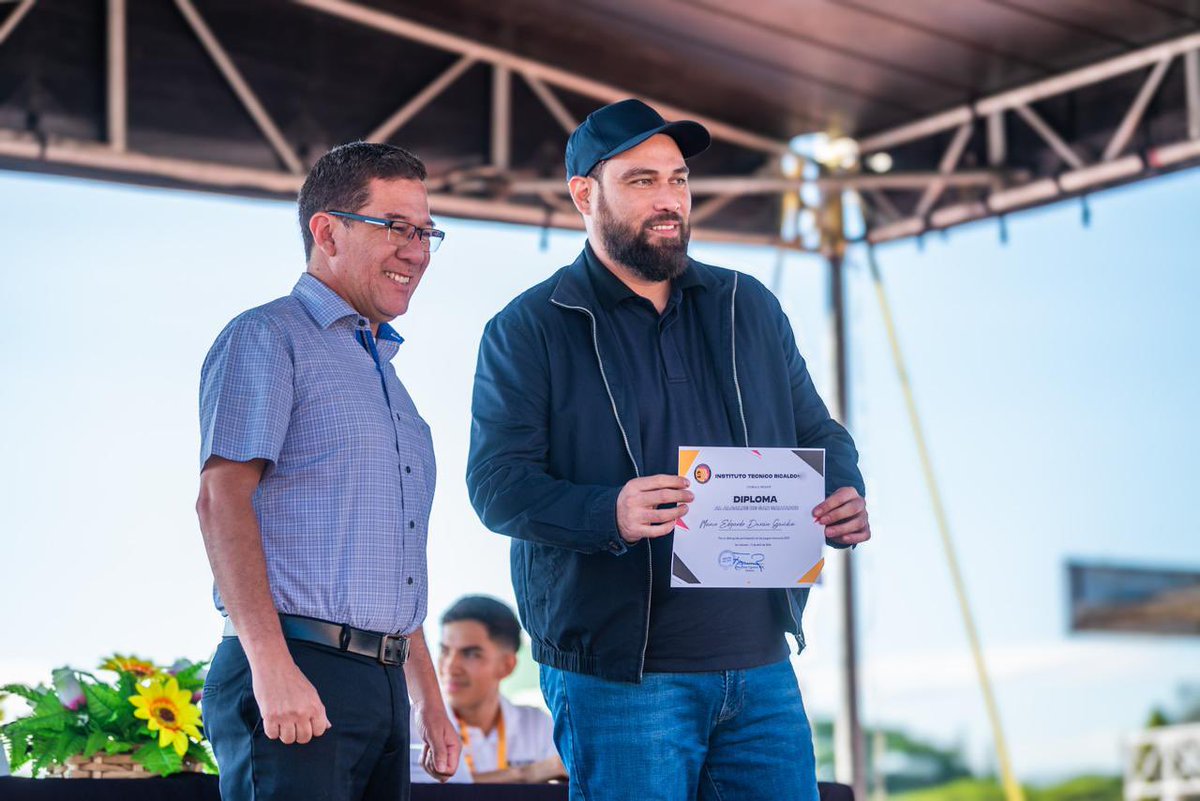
(110, 766)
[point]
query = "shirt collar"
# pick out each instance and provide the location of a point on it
(509, 712)
(612, 290)
(326, 307)
(387, 333)
(506, 709)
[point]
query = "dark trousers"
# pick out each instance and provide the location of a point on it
(363, 756)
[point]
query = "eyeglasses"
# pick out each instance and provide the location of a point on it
(398, 230)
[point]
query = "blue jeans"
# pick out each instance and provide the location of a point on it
(727, 736)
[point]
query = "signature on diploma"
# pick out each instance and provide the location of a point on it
(771, 525)
(740, 560)
(727, 524)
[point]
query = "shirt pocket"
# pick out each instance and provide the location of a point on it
(416, 450)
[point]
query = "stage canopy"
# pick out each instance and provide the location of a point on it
(937, 112)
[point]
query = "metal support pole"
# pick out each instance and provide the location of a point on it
(238, 84)
(1050, 137)
(1191, 77)
(551, 102)
(118, 86)
(997, 143)
(14, 19)
(946, 166)
(848, 746)
(884, 205)
(1134, 115)
(501, 116)
(849, 764)
(422, 99)
(878, 755)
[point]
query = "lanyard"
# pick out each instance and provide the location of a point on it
(501, 744)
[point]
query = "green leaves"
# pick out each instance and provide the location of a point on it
(30, 694)
(104, 704)
(51, 752)
(47, 705)
(190, 677)
(163, 761)
(118, 747)
(200, 753)
(54, 723)
(95, 741)
(103, 721)
(18, 751)
(66, 744)
(36, 737)
(126, 685)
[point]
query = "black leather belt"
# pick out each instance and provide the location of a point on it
(388, 649)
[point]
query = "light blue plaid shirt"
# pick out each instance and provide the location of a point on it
(344, 501)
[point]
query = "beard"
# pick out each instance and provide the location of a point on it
(629, 244)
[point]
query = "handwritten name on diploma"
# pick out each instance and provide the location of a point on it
(747, 525)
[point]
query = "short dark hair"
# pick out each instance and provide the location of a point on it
(339, 180)
(496, 616)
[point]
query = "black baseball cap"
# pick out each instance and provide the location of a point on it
(617, 127)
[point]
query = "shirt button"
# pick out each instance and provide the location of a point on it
(407, 469)
(410, 579)
(412, 523)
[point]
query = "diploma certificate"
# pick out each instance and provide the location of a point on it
(751, 523)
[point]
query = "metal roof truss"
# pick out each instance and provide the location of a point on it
(953, 167)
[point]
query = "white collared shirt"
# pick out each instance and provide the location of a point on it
(528, 730)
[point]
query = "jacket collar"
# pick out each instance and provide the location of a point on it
(574, 290)
(611, 290)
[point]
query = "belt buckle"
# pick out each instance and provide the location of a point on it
(394, 654)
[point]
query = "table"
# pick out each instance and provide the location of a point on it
(192, 787)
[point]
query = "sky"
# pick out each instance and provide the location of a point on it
(1056, 377)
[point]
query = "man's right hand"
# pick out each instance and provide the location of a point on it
(638, 515)
(291, 710)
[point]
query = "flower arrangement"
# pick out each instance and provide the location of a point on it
(148, 712)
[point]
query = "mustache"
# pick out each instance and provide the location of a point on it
(664, 219)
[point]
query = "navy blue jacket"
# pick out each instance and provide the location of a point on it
(555, 436)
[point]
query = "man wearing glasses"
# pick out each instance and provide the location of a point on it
(317, 475)
(587, 385)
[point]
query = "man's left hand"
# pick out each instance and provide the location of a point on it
(844, 516)
(442, 746)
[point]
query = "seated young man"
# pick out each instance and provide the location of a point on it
(502, 742)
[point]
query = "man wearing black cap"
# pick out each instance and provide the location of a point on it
(586, 386)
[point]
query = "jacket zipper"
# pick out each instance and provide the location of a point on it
(733, 358)
(742, 411)
(636, 471)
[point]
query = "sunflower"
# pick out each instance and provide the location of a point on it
(131, 665)
(169, 711)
